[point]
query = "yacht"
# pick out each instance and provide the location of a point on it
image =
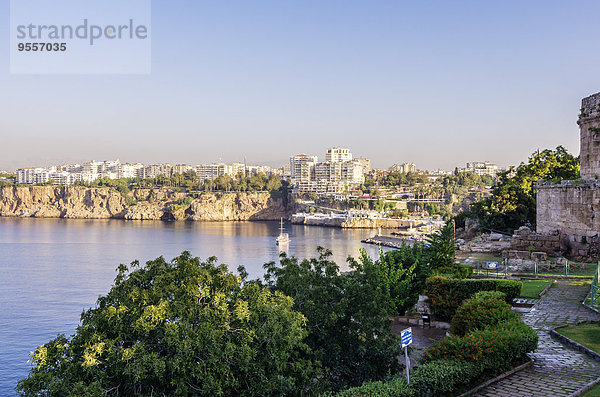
(283, 238)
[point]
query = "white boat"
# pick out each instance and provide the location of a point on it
(283, 238)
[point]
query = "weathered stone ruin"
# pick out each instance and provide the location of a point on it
(567, 220)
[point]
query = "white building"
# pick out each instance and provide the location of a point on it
(129, 170)
(482, 168)
(365, 164)
(302, 168)
(213, 171)
(338, 155)
(31, 176)
(403, 168)
(182, 168)
(152, 171)
(353, 173)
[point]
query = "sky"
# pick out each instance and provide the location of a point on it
(436, 83)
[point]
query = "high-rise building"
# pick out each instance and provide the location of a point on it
(302, 167)
(365, 164)
(338, 155)
(352, 173)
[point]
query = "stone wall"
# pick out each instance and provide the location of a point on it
(524, 240)
(589, 137)
(569, 210)
(570, 207)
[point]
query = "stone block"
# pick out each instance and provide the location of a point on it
(539, 256)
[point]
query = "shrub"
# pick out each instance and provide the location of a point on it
(464, 271)
(396, 387)
(442, 377)
(446, 295)
(485, 308)
(495, 349)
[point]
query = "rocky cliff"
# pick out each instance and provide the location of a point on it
(163, 204)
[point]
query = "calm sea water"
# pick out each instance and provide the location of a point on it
(52, 269)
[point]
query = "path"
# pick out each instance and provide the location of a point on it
(557, 370)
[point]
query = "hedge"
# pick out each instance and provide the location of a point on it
(442, 377)
(396, 387)
(446, 295)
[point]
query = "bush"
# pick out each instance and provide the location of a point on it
(446, 295)
(396, 387)
(464, 271)
(442, 377)
(485, 308)
(495, 349)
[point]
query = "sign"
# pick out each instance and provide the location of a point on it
(492, 265)
(406, 336)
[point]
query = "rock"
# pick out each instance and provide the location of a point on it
(495, 237)
(157, 204)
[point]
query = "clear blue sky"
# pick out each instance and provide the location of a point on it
(437, 83)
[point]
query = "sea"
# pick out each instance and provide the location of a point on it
(53, 269)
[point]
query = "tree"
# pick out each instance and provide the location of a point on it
(442, 249)
(400, 276)
(179, 328)
(348, 329)
(513, 200)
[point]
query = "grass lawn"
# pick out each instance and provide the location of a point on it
(533, 287)
(593, 392)
(585, 334)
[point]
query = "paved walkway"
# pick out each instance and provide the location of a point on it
(557, 370)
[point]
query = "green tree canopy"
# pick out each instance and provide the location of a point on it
(178, 328)
(441, 249)
(400, 275)
(348, 329)
(513, 200)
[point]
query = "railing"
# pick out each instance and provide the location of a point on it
(595, 290)
(490, 269)
(501, 269)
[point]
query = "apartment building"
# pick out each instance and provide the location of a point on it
(338, 155)
(403, 168)
(482, 168)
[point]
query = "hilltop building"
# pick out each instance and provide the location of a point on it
(482, 168)
(403, 168)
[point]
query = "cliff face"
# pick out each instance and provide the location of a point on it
(163, 204)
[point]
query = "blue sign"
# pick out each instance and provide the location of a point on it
(492, 265)
(406, 336)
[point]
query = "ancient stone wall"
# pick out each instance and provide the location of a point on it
(524, 240)
(567, 211)
(589, 137)
(570, 210)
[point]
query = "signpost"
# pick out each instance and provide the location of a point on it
(406, 336)
(492, 266)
